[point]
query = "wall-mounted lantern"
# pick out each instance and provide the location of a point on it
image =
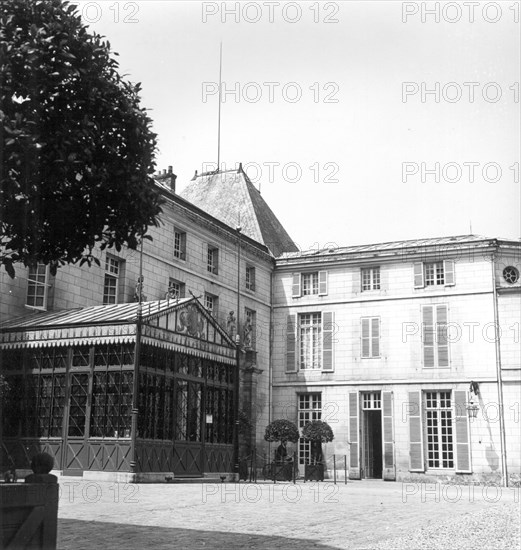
(473, 407)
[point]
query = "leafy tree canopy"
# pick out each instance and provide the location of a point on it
(317, 430)
(76, 149)
(282, 430)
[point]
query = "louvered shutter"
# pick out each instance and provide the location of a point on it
(328, 333)
(291, 344)
(296, 285)
(442, 343)
(448, 270)
(462, 433)
(354, 428)
(418, 276)
(428, 335)
(322, 283)
(416, 463)
(389, 473)
(183, 246)
(375, 337)
(366, 335)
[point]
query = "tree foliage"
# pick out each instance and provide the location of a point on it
(76, 150)
(317, 430)
(282, 430)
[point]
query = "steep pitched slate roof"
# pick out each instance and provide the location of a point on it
(228, 195)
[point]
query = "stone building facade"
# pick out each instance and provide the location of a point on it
(392, 344)
(194, 252)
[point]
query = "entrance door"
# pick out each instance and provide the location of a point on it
(372, 423)
(372, 459)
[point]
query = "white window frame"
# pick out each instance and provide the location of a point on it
(370, 338)
(309, 283)
(34, 282)
(212, 259)
(211, 303)
(374, 281)
(175, 290)
(440, 433)
(310, 341)
(309, 407)
(179, 244)
(250, 278)
(112, 273)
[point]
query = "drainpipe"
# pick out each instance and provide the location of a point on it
(497, 342)
(135, 385)
(236, 387)
(270, 358)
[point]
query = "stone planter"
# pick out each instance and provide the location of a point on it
(29, 514)
(314, 472)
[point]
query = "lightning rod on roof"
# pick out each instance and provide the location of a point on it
(219, 112)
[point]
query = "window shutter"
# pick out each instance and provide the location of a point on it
(448, 270)
(418, 276)
(322, 283)
(389, 473)
(296, 285)
(328, 332)
(354, 447)
(366, 337)
(291, 344)
(428, 335)
(183, 246)
(462, 433)
(375, 337)
(441, 336)
(415, 432)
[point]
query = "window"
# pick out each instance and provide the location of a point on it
(176, 290)
(439, 273)
(250, 278)
(438, 416)
(110, 287)
(307, 284)
(309, 408)
(213, 260)
(310, 338)
(310, 341)
(511, 274)
(370, 337)
(210, 302)
(179, 244)
(371, 401)
(434, 334)
(370, 278)
(37, 286)
(249, 329)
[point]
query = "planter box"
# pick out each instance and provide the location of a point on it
(314, 472)
(29, 514)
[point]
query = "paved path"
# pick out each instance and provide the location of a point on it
(359, 514)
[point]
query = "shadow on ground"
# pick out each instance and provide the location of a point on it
(76, 534)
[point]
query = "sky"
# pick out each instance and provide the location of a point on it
(360, 122)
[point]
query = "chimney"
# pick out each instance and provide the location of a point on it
(168, 178)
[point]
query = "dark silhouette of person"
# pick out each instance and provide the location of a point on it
(281, 452)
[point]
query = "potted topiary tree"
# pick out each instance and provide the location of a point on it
(283, 431)
(316, 432)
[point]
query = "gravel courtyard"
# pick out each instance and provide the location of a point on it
(356, 515)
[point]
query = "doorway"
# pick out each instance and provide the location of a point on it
(372, 459)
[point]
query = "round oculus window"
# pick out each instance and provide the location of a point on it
(511, 274)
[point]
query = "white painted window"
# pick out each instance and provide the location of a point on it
(37, 286)
(438, 425)
(370, 278)
(370, 337)
(310, 340)
(111, 283)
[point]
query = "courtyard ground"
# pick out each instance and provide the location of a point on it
(356, 515)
